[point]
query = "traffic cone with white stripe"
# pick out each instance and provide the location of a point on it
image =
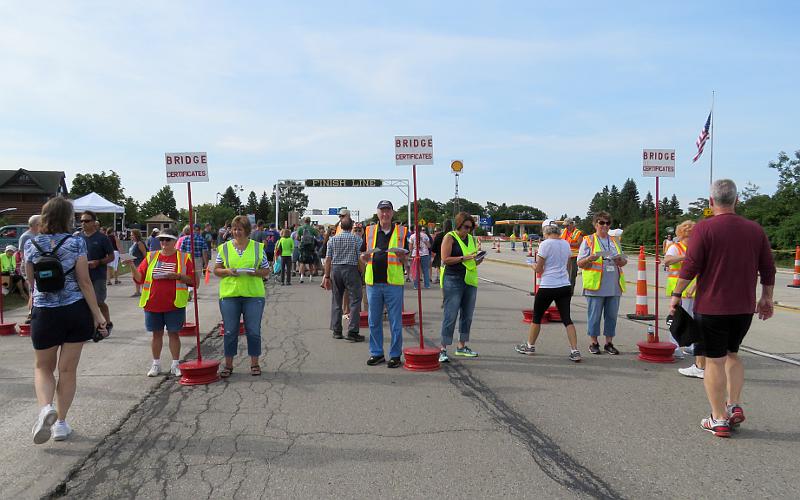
(796, 278)
(641, 291)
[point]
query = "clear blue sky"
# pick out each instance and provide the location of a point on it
(544, 102)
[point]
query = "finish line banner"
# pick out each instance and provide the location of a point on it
(413, 150)
(362, 183)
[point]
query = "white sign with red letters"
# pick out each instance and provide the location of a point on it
(658, 163)
(413, 150)
(186, 167)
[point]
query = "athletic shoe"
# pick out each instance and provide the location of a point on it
(301, 278)
(354, 337)
(61, 430)
(575, 356)
(530, 350)
(720, 428)
(689, 350)
(692, 371)
(394, 363)
(466, 352)
(678, 354)
(310, 279)
(609, 348)
(44, 423)
(595, 349)
(175, 370)
(155, 368)
(376, 360)
(735, 416)
(443, 357)
(338, 335)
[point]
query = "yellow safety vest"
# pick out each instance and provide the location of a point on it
(593, 276)
(675, 271)
(394, 269)
(574, 240)
(181, 288)
(242, 285)
(471, 276)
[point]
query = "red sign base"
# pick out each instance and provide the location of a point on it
(8, 328)
(409, 318)
(363, 320)
(25, 330)
(199, 372)
(656, 352)
(421, 359)
(553, 314)
(527, 315)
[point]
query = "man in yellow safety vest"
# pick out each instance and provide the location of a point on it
(574, 237)
(384, 253)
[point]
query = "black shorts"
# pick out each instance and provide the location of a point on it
(307, 257)
(545, 296)
(52, 326)
(722, 334)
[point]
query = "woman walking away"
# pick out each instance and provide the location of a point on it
(242, 265)
(423, 254)
(436, 248)
(459, 282)
(165, 275)
(284, 249)
(113, 267)
(602, 260)
(138, 251)
(551, 263)
(65, 315)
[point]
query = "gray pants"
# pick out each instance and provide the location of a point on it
(344, 277)
(572, 270)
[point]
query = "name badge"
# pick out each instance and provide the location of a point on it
(611, 269)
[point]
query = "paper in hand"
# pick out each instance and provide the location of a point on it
(397, 250)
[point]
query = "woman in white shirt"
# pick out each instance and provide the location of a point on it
(424, 255)
(554, 285)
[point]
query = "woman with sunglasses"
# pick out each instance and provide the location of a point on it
(602, 260)
(165, 276)
(459, 282)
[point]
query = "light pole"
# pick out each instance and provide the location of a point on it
(456, 166)
(219, 195)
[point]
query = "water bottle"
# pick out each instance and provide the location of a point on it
(651, 333)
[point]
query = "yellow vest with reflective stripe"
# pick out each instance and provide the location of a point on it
(394, 268)
(471, 276)
(675, 271)
(593, 276)
(181, 288)
(242, 285)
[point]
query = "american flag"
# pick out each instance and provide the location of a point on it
(162, 268)
(701, 140)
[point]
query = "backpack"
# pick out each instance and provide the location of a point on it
(308, 241)
(48, 272)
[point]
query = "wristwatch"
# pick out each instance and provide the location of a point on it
(676, 294)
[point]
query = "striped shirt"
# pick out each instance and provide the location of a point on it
(344, 249)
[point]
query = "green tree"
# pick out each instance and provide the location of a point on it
(231, 199)
(788, 177)
(132, 215)
(216, 215)
(264, 211)
(292, 199)
(695, 209)
(614, 201)
(648, 206)
(464, 205)
(629, 208)
(109, 186)
(252, 204)
(161, 202)
(674, 207)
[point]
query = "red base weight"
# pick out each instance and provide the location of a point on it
(199, 372)
(421, 359)
(409, 319)
(553, 314)
(363, 319)
(187, 330)
(8, 328)
(656, 352)
(25, 330)
(527, 315)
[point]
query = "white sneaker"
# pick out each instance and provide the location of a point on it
(155, 369)
(175, 370)
(310, 278)
(61, 430)
(692, 371)
(301, 278)
(44, 422)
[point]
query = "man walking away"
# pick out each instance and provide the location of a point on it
(342, 273)
(99, 253)
(726, 253)
(307, 236)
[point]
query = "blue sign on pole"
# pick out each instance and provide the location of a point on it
(486, 221)
(333, 211)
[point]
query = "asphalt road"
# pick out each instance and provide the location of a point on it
(320, 423)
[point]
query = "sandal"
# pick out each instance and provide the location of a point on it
(255, 370)
(226, 371)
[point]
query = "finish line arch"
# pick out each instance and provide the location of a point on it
(400, 184)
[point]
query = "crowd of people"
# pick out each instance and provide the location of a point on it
(368, 266)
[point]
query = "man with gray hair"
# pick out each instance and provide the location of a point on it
(726, 253)
(342, 273)
(33, 230)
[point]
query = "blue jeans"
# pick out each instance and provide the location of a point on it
(425, 263)
(608, 307)
(391, 296)
(234, 308)
(458, 298)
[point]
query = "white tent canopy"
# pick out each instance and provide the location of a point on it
(96, 203)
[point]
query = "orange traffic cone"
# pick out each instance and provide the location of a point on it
(207, 278)
(796, 277)
(641, 291)
(498, 247)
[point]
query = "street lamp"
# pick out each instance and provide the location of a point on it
(8, 210)
(456, 166)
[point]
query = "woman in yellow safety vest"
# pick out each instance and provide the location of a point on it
(673, 259)
(164, 276)
(242, 264)
(459, 282)
(602, 260)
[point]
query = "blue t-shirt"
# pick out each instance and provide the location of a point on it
(98, 246)
(270, 238)
(68, 254)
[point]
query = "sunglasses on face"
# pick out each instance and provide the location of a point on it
(165, 239)
(604, 222)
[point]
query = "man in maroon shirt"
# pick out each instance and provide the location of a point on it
(726, 253)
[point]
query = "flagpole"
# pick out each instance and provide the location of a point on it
(711, 168)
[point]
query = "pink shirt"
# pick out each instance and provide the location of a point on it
(727, 253)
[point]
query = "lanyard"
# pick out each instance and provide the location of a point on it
(606, 247)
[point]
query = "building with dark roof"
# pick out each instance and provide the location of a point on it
(28, 190)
